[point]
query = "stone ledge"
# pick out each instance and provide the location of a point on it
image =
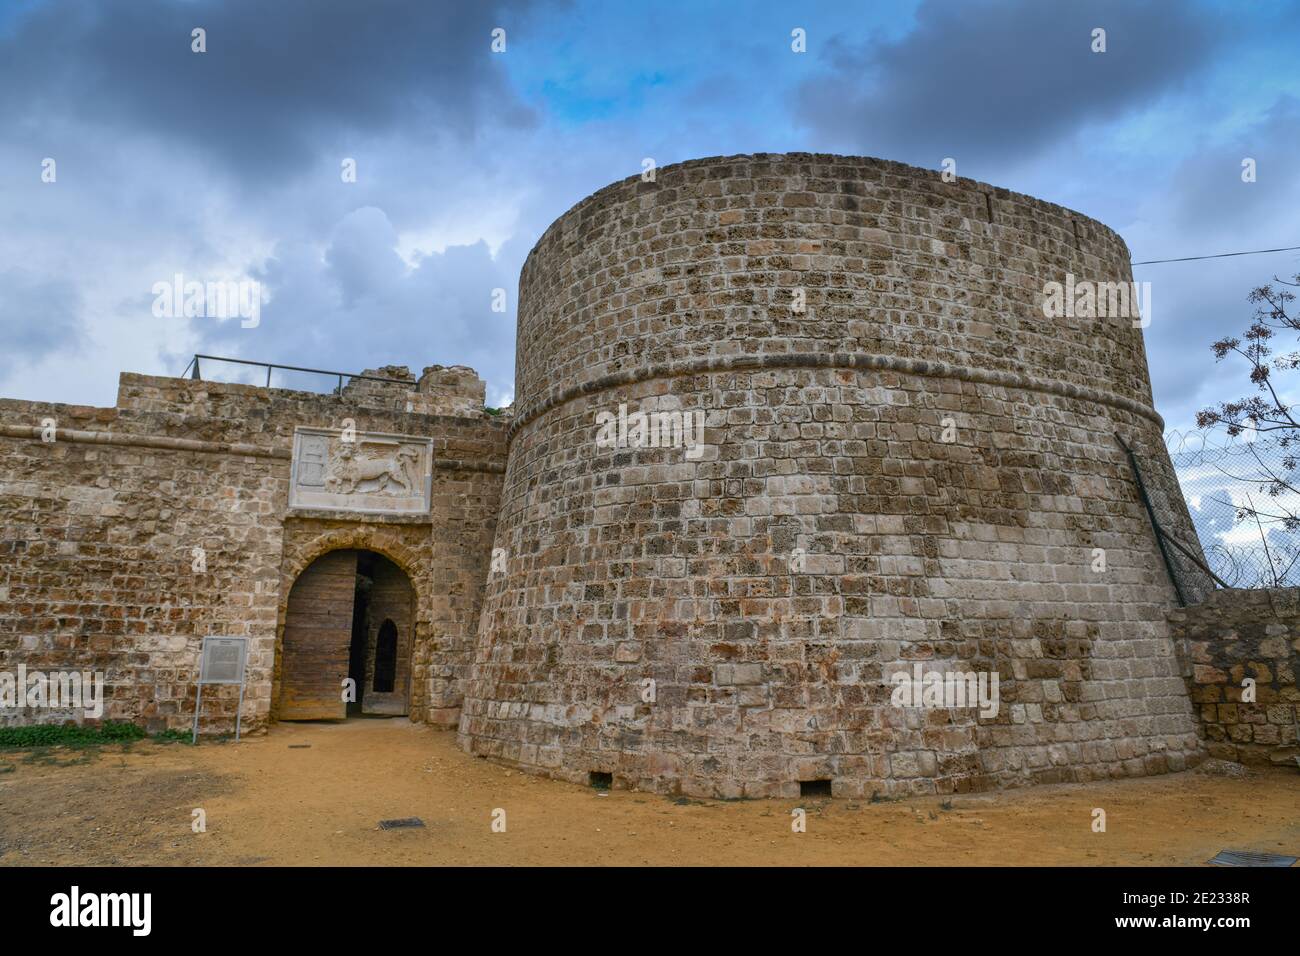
(166, 442)
(169, 443)
(354, 517)
(830, 360)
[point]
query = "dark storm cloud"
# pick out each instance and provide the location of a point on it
(1203, 207)
(280, 80)
(39, 315)
(361, 305)
(225, 165)
(991, 81)
(1211, 192)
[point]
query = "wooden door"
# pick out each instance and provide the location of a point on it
(317, 635)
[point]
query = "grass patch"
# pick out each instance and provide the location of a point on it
(172, 736)
(49, 756)
(69, 735)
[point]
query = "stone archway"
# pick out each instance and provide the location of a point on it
(347, 641)
(403, 550)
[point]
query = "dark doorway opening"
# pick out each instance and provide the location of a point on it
(386, 657)
(349, 631)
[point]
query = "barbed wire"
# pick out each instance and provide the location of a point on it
(1243, 496)
(1201, 442)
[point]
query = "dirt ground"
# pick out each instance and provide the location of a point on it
(313, 794)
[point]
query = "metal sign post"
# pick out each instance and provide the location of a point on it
(222, 662)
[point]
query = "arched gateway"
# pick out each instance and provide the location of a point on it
(350, 615)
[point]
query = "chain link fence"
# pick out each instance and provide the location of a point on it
(1243, 501)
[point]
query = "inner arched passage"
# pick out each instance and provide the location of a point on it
(348, 634)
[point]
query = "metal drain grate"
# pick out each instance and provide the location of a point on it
(1249, 858)
(407, 823)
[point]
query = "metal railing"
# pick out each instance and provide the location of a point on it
(272, 366)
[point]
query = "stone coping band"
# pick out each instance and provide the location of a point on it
(831, 360)
(146, 441)
(344, 516)
(212, 447)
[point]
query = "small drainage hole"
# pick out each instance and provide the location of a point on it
(814, 788)
(600, 781)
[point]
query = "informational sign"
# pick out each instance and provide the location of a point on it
(222, 661)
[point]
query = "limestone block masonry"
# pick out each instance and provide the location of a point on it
(903, 461)
(870, 451)
(1237, 636)
(103, 525)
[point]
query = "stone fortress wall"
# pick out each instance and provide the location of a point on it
(902, 462)
(1233, 637)
(97, 549)
(727, 625)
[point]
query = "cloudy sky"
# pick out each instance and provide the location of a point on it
(226, 165)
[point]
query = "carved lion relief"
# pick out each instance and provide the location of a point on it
(372, 472)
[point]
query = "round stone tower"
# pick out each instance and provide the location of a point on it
(906, 468)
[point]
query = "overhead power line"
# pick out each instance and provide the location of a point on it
(1221, 255)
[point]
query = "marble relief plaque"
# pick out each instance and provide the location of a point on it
(372, 472)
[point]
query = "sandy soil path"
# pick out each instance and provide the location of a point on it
(271, 800)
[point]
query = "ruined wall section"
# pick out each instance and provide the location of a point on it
(1237, 635)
